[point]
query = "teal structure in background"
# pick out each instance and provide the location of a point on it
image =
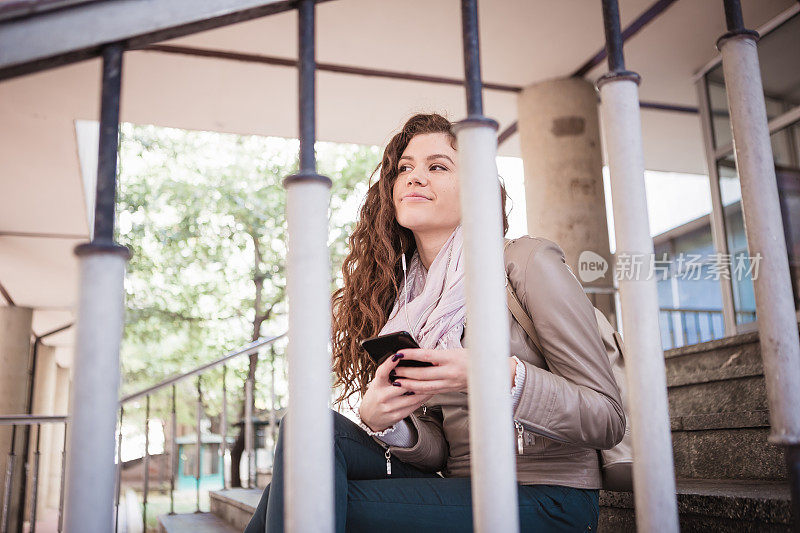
(211, 462)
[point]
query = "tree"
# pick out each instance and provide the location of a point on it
(204, 214)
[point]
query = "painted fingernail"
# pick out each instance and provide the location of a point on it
(397, 356)
(408, 393)
(392, 373)
(396, 383)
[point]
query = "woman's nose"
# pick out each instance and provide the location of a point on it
(415, 178)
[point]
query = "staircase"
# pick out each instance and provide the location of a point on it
(729, 477)
(231, 510)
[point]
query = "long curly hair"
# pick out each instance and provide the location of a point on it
(372, 270)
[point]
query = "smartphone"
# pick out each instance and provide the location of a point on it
(382, 346)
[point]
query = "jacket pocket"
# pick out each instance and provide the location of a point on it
(531, 443)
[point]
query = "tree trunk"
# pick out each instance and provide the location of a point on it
(258, 281)
(238, 446)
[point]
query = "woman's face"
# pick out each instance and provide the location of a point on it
(425, 193)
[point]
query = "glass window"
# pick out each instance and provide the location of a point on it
(718, 102)
(787, 172)
(189, 456)
(786, 146)
(741, 277)
(777, 56)
(786, 151)
(689, 296)
(210, 459)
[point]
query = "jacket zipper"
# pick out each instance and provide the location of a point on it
(388, 455)
(519, 436)
(520, 426)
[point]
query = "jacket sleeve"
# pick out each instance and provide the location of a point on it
(577, 401)
(429, 452)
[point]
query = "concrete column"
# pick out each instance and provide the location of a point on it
(309, 458)
(90, 473)
(653, 468)
(95, 395)
(653, 473)
(60, 407)
(491, 437)
(309, 424)
(44, 388)
(15, 346)
(559, 133)
(777, 321)
(490, 429)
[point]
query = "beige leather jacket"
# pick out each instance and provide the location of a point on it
(570, 405)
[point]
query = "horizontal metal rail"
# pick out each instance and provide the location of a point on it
(77, 32)
(30, 420)
(247, 349)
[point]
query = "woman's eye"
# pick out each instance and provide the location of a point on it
(401, 167)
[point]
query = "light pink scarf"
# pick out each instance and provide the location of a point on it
(434, 324)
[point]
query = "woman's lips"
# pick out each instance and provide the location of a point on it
(415, 199)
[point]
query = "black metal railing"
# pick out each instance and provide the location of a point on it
(26, 421)
(171, 383)
(685, 326)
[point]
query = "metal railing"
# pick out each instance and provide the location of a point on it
(16, 421)
(309, 487)
(146, 394)
(685, 326)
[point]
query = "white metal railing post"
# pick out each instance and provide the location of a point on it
(273, 419)
(777, 322)
(95, 391)
(491, 430)
(653, 471)
(223, 426)
(198, 451)
(309, 501)
(248, 431)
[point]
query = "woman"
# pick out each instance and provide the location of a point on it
(414, 420)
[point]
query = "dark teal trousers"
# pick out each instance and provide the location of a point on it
(368, 500)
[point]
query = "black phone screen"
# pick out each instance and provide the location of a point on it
(382, 346)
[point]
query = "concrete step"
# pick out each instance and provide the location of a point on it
(194, 523)
(726, 446)
(724, 505)
(719, 413)
(235, 506)
(720, 376)
(711, 505)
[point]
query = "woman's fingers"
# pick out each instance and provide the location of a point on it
(390, 391)
(383, 370)
(407, 403)
(423, 372)
(435, 356)
(418, 386)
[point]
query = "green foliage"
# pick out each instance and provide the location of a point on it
(203, 214)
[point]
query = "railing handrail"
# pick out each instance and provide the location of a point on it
(29, 420)
(702, 310)
(691, 310)
(247, 349)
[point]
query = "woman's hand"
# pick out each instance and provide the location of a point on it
(449, 373)
(385, 403)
